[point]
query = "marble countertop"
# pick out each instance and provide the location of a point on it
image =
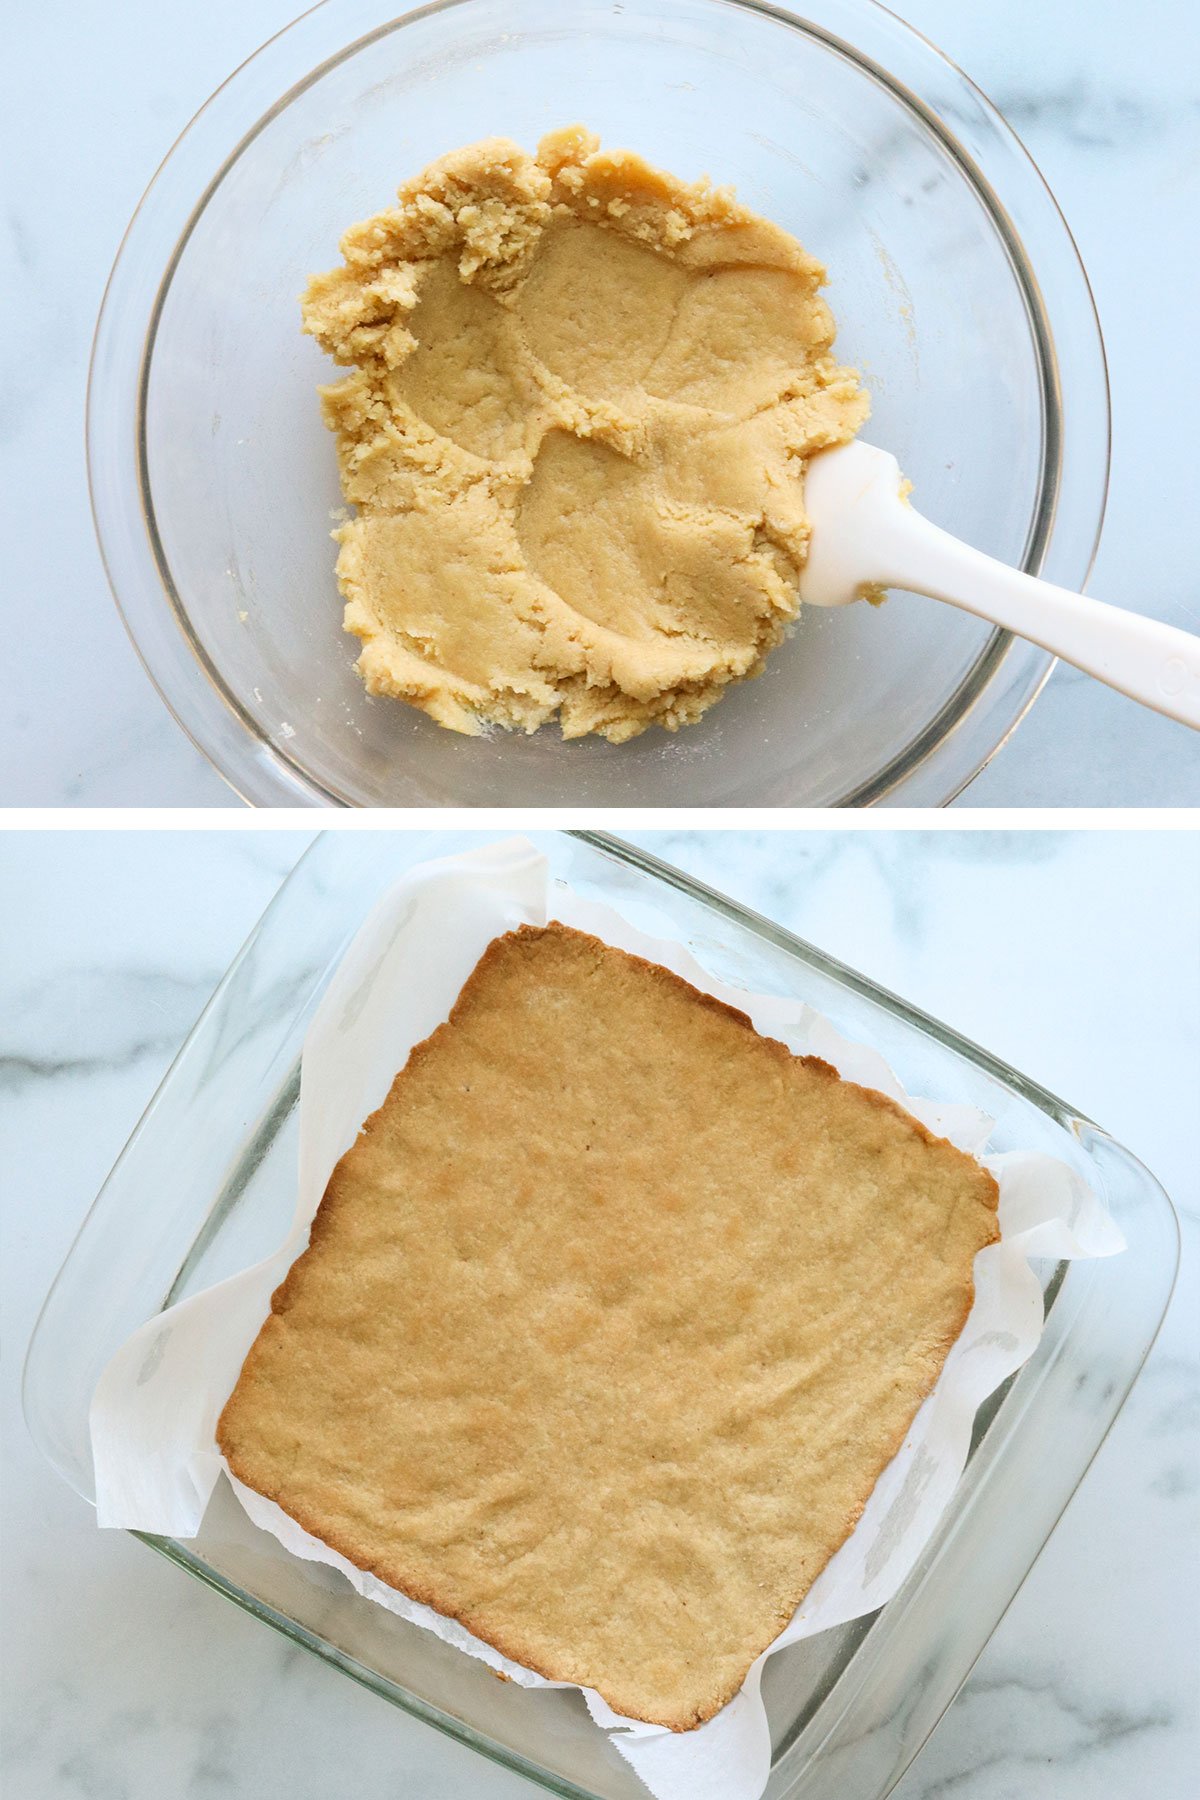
(126, 1682)
(1110, 113)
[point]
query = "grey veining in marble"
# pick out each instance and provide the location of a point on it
(1106, 99)
(1073, 956)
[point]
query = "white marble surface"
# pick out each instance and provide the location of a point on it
(1106, 101)
(124, 1681)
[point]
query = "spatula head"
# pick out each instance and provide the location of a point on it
(850, 492)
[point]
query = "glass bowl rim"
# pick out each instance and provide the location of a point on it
(260, 769)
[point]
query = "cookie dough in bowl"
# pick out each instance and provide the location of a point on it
(582, 398)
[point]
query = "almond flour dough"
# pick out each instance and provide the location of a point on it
(575, 435)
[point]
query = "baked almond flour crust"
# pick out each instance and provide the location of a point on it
(608, 1323)
(583, 399)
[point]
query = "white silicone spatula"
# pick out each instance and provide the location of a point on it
(864, 534)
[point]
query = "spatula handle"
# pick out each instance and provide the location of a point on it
(1155, 663)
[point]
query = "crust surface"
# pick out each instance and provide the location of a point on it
(583, 398)
(608, 1323)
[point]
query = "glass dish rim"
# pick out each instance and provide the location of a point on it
(270, 774)
(643, 862)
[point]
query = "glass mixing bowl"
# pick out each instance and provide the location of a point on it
(955, 283)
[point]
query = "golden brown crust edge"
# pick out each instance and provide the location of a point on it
(426, 1593)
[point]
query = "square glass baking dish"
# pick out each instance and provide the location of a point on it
(206, 1185)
